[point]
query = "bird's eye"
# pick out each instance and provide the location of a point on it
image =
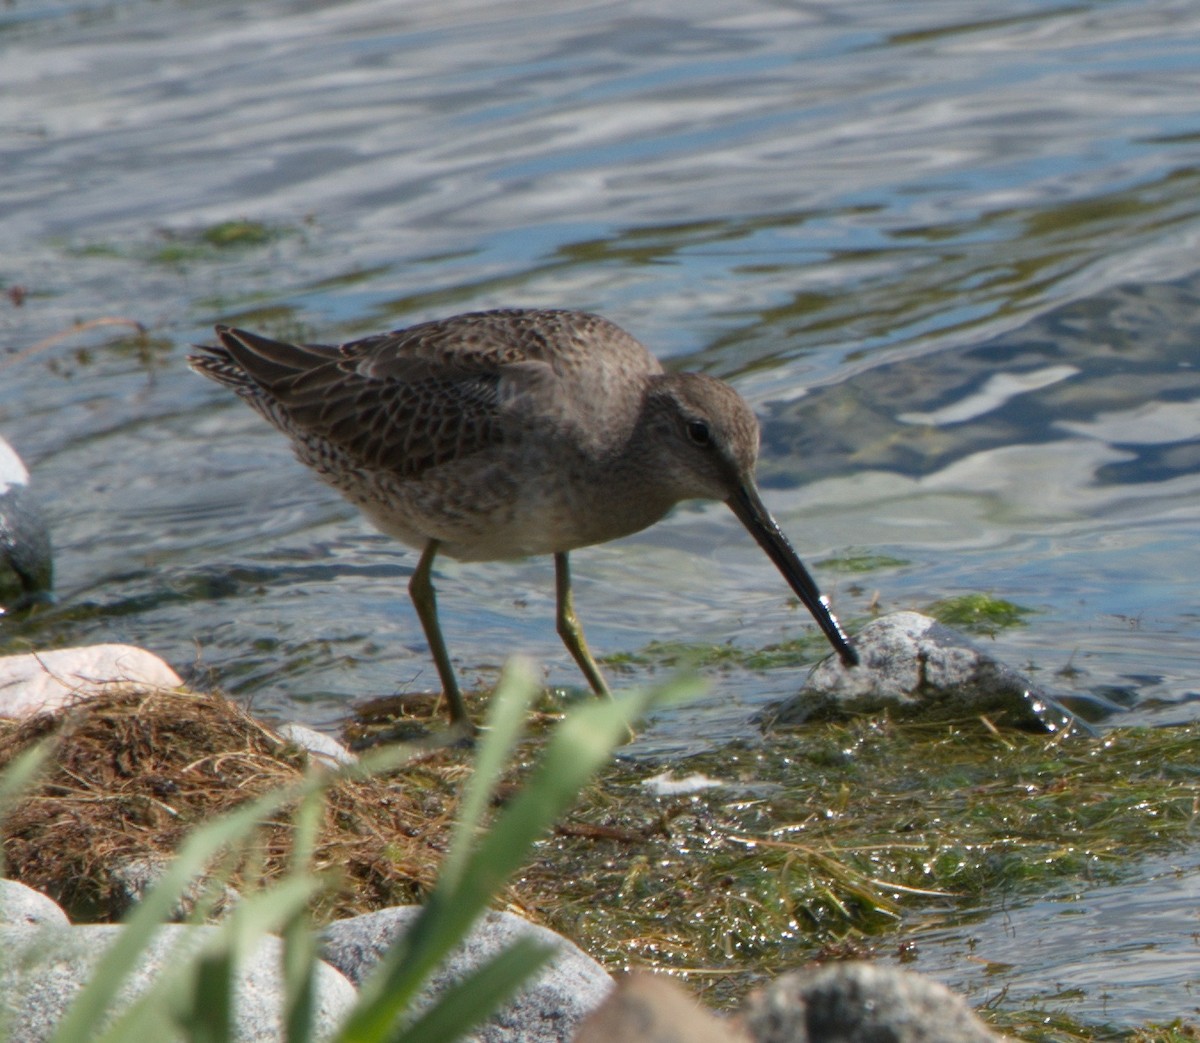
(698, 432)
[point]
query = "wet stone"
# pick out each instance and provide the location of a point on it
(918, 668)
(860, 1003)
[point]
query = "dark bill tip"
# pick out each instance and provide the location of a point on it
(753, 514)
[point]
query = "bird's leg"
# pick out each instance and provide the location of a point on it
(569, 629)
(420, 589)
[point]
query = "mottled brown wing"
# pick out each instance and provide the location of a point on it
(405, 416)
(474, 341)
(405, 428)
(438, 391)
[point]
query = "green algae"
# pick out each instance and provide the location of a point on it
(978, 613)
(238, 232)
(689, 655)
(178, 247)
(971, 613)
(863, 562)
(837, 839)
(212, 241)
(1042, 1026)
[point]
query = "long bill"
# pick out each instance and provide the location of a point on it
(748, 506)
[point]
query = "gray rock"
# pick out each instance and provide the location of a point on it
(22, 906)
(860, 1003)
(323, 747)
(44, 968)
(547, 1010)
(26, 562)
(919, 668)
(129, 882)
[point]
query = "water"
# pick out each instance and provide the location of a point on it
(1121, 955)
(948, 250)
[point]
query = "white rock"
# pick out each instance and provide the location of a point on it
(44, 681)
(323, 747)
(12, 470)
(667, 784)
(26, 555)
(44, 968)
(22, 906)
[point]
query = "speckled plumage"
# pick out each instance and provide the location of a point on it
(509, 433)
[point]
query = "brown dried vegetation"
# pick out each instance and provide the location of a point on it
(132, 771)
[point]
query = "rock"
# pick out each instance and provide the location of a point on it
(323, 747)
(919, 668)
(26, 561)
(22, 906)
(860, 1003)
(44, 968)
(667, 784)
(650, 1008)
(547, 1010)
(129, 882)
(41, 682)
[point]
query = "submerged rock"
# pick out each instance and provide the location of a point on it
(919, 668)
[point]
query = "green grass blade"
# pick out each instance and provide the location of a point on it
(209, 1019)
(97, 996)
(580, 745)
(16, 779)
(299, 979)
(468, 1002)
(18, 775)
(299, 947)
(505, 723)
(190, 982)
(198, 851)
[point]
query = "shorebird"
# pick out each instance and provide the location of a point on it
(505, 434)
